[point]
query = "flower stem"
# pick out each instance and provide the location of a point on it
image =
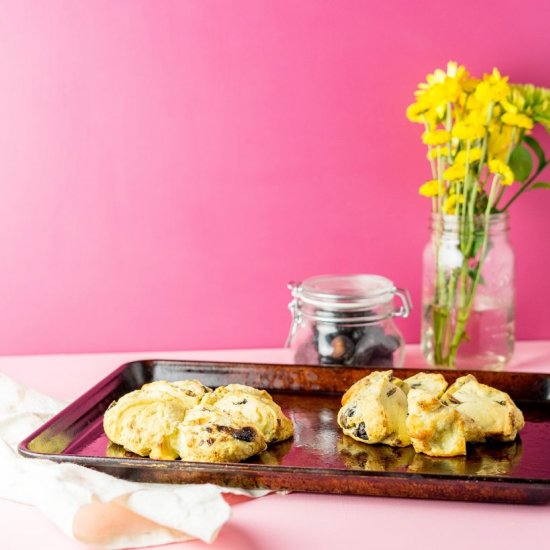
(463, 314)
(524, 187)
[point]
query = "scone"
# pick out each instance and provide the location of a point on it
(141, 419)
(209, 435)
(193, 390)
(375, 410)
(370, 380)
(494, 414)
(434, 428)
(257, 406)
(432, 383)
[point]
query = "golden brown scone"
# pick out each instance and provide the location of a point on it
(434, 428)
(494, 414)
(209, 435)
(372, 378)
(375, 410)
(141, 419)
(257, 406)
(432, 383)
(118, 451)
(193, 389)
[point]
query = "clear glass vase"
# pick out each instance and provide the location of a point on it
(468, 293)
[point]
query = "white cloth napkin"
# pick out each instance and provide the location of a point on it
(93, 507)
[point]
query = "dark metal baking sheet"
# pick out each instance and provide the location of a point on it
(319, 458)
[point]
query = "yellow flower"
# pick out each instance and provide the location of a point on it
(429, 189)
(436, 137)
(449, 206)
(533, 101)
(517, 119)
(500, 142)
(440, 89)
(502, 170)
(473, 156)
(468, 131)
(477, 114)
(509, 106)
(493, 88)
(432, 154)
(455, 172)
(418, 112)
(450, 83)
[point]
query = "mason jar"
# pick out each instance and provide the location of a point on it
(347, 320)
(468, 296)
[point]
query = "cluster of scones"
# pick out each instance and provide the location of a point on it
(166, 420)
(437, 419)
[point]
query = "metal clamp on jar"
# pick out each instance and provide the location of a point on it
(347, 320)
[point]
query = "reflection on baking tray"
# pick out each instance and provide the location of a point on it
(375, 458)
(274, 454)
(492, 459)
(118, 451)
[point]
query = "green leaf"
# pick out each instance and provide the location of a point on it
(521, 163)
(539, 185)
(537, 149)
(476, 245)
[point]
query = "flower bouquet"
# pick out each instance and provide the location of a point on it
(482, 157)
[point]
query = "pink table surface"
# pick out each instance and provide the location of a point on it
(293, 521)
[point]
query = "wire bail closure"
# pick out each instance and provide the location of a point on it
(406, 303)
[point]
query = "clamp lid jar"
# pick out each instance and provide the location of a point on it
(347, 320)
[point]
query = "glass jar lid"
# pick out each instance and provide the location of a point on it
(352, 293)
(346, 291)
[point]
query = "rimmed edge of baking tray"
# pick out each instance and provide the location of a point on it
(306, 378)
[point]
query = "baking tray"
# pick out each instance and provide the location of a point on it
(319, 458)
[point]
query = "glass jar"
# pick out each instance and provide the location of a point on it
(468, 293)
(347, 320)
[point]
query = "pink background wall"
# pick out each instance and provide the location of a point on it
(166, 167)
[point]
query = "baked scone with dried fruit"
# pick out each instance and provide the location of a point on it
(494, 414)
(438, 420)
(141, 419)
(434, 428)
(374, 410)
(369, 380)
(210, 435)
(432, 383)
(257, 406)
